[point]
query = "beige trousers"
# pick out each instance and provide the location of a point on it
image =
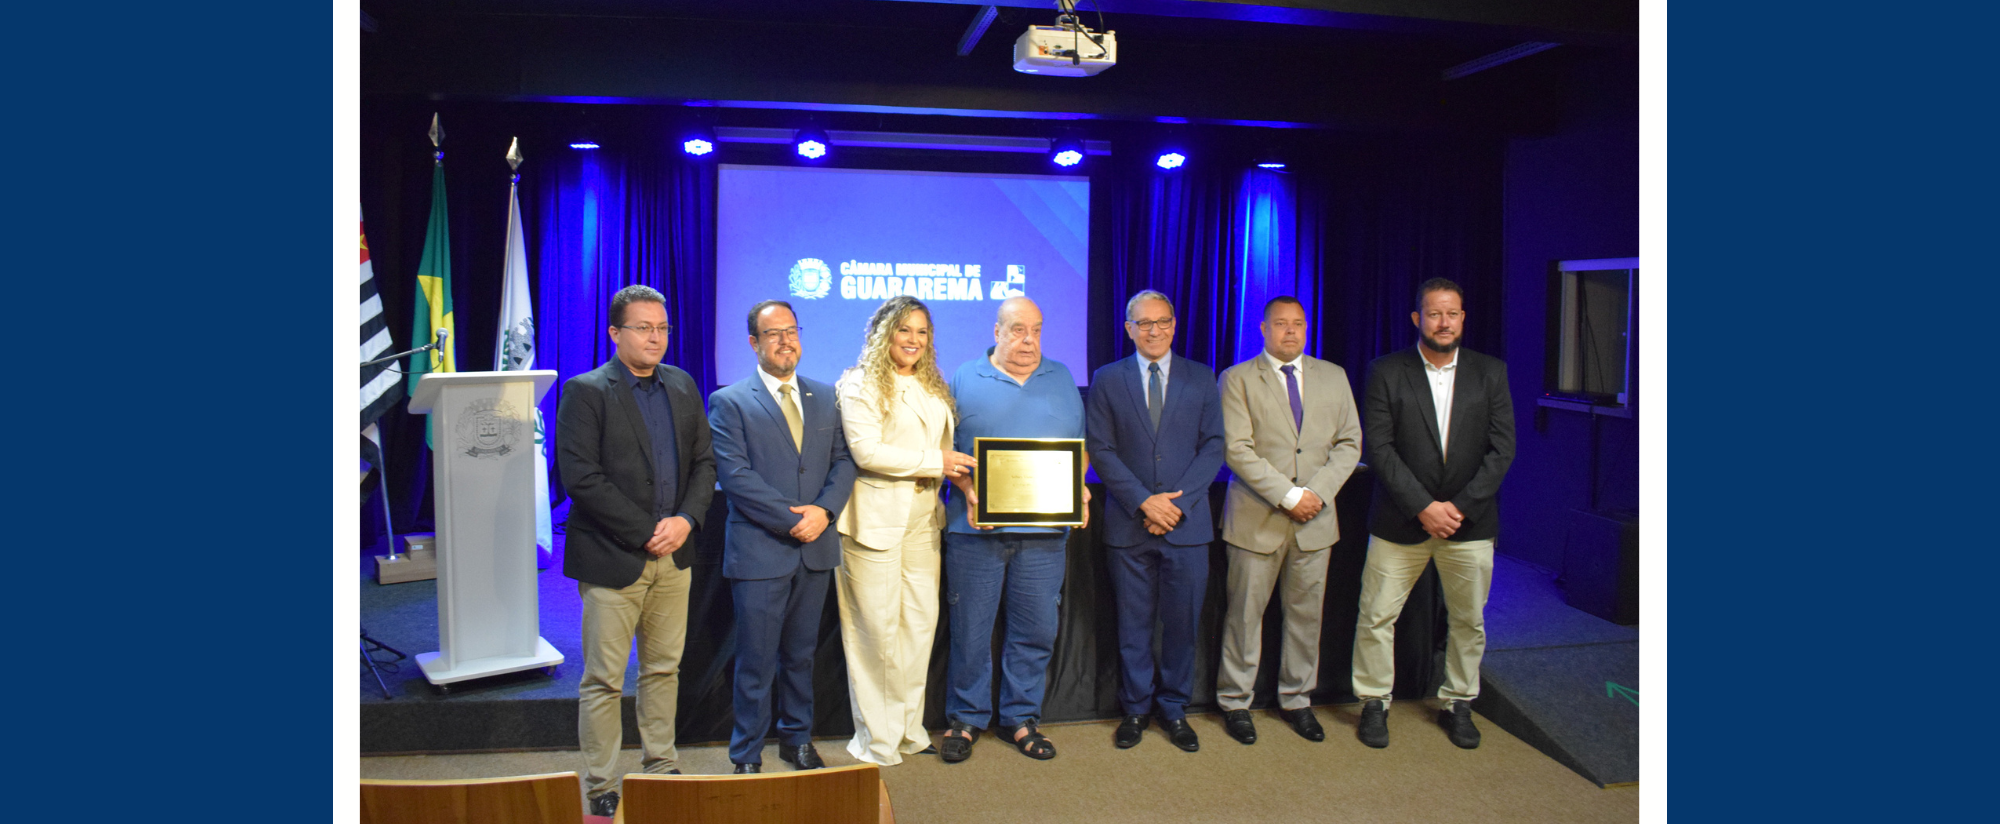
(888, 621)
(656, 607)
(1302, 577)
(1465, 569)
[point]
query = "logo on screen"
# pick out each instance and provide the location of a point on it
(1014, 285)
(811, 279)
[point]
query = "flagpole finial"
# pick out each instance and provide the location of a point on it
(437, 140)
(514, 158)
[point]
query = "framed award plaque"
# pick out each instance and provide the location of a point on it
(1028, 482)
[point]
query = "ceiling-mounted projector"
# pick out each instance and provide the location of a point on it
(1066, 49)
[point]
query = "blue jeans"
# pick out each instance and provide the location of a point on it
(1028, 569)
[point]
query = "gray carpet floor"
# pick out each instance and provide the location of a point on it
(1419, 777)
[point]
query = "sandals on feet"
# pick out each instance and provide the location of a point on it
(954, 749)
(1033, 745)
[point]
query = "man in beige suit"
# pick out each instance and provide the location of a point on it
(1291, 437)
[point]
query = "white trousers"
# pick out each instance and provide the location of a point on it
(1465, 569)
(888, 621)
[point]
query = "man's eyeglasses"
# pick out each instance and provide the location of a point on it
(1149, 325)
(647, 331)
(775, 335)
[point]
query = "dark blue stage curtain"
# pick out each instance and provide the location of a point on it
(1219, 244)
(1400, 211)
(608, 219)
(1351, 235)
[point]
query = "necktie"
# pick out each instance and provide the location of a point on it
(1292, 388)
(792, 417)
(1156, 395)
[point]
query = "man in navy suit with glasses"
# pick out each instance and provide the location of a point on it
(1154, 430)
(781, 457)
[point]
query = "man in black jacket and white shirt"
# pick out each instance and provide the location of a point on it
(1438, 430)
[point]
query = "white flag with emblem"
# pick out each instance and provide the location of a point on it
(515, 348)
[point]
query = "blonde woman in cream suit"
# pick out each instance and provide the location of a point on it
(899, 420)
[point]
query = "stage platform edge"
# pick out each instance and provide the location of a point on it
(1576, 704)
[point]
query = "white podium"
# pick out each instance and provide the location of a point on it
(483, 454)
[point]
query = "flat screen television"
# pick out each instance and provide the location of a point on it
(1592, 331)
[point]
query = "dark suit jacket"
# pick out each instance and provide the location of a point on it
(1400, 440)
(765, 475)
(1135, 462)
(606, 460)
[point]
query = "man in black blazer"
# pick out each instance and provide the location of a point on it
(783, 460)
(1154, 428)
(632, 443)
(1439, 433)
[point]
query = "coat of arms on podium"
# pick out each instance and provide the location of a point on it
(489, 428)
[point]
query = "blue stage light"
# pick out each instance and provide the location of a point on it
(1171, 160)
(1271, 165)
(697, 147)
(586, 145)
(1066, 151)
(811, 143)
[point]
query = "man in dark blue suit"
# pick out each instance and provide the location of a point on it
(782, 458)
(1154, 425)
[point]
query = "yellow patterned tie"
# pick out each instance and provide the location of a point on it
(792, 417)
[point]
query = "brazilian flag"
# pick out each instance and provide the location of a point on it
(432, 308)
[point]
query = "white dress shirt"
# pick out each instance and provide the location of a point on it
(1442, 379)
(1298, 366)
(771, 385)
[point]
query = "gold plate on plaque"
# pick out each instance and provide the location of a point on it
(1028, 481)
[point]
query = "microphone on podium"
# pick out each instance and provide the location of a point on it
(443, 335)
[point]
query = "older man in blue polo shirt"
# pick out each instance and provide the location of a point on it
(1013, 392)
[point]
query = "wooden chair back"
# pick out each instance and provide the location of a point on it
(556, 798)
(835, 795)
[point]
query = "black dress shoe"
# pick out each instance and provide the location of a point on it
(605, 805)
(1457, 724)
(742, 769)
(1304, 723)
(1238, 723)
(1181, 734)
(1129, 731)
(1374, 727)
(802, 756)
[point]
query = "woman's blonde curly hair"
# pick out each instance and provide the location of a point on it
(879, 369)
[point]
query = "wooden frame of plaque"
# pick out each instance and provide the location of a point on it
(1016, 464)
